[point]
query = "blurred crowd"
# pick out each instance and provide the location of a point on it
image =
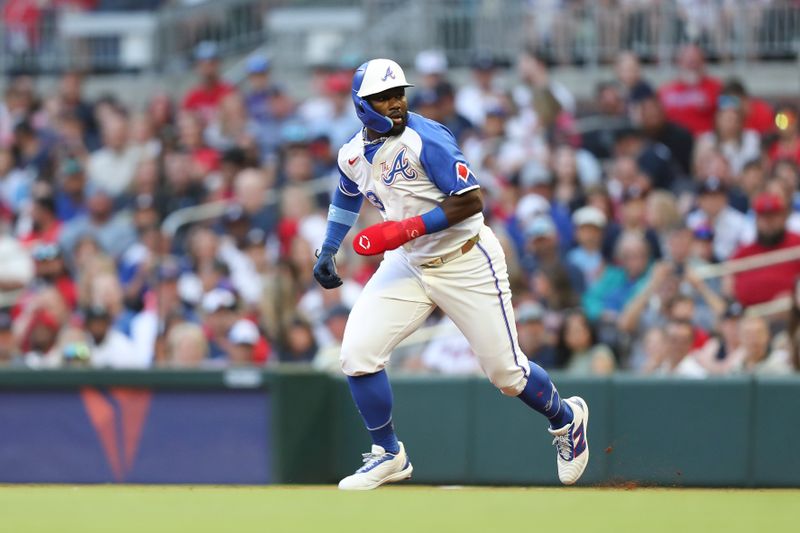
(727, 28)
(615, 216)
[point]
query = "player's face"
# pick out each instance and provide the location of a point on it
(392, 104)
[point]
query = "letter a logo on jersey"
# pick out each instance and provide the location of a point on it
(389, 74)
(462, 171)
(400, 166)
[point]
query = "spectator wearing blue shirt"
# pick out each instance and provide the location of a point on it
(606, 298)
(70, 195)
(258, 97)
(114, 232)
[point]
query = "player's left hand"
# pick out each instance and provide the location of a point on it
(388, 235)
(325, 270)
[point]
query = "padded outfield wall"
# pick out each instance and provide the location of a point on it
(298, 426)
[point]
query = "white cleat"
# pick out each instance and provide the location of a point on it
(379, 467)
(571, 444)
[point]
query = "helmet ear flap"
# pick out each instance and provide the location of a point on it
(371, 118)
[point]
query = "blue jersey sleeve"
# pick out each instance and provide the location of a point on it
(347, 186)
(342, 213)
(444, 163)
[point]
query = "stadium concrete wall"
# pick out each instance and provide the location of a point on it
(296, 426)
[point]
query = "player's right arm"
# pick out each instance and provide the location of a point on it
(342, 215)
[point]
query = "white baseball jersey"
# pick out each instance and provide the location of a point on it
(409, 174)
(406, 176)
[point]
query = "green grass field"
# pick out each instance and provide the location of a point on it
(146, 509)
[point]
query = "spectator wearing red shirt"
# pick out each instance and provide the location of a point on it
(787, 145)
(691, 99)
(51, 272)
(204, 159)
(758, 115)
(46, 228)
(766, 283)
(205, 97)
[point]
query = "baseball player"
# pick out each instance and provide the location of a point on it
(438, 252)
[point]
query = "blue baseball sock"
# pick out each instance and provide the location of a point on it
(540, 394)
(373, 396)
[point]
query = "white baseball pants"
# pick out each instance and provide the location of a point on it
(473, 290)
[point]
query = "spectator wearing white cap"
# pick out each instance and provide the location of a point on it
(536, 185)
(231, 337)
(587, 256)
(244, 337)
(543, 254)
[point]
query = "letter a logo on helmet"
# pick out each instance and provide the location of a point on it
(373, 77)
(389, 74)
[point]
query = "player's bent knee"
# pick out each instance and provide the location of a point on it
(513, 390)
(351, 368)
(360, 364)
(509, 385)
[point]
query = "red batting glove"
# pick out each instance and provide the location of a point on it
(389, 235)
